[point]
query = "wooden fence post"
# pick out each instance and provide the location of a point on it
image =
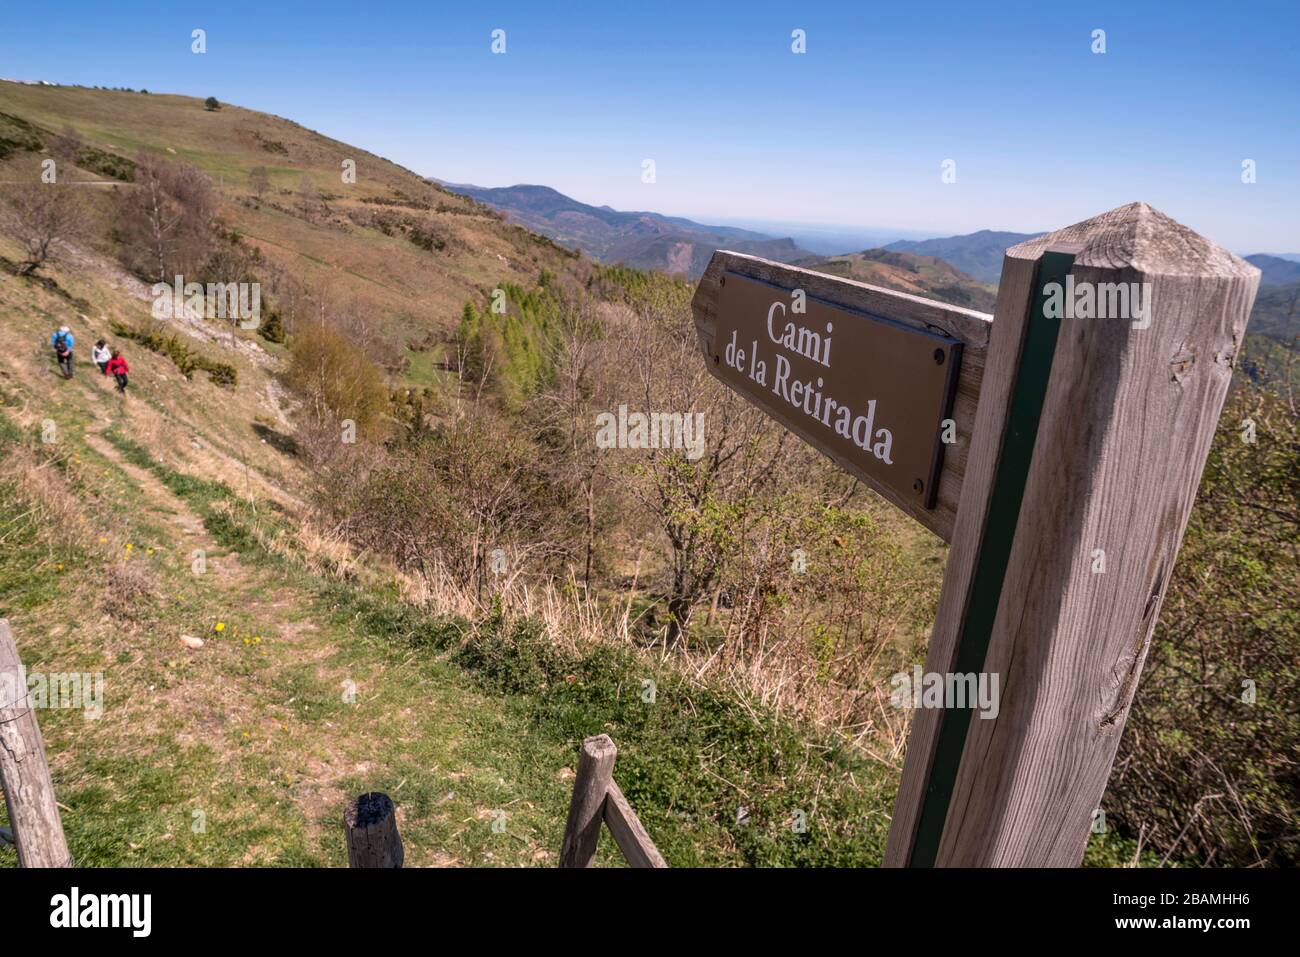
(628, 832)
(587, 806)
(370, 823)
(1088, 446)
(24, 773)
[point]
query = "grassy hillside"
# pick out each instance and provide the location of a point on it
(354, 635)
(244, 750)
(363, 247)
(457, 719)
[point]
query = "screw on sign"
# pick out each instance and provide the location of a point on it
(1084, 425)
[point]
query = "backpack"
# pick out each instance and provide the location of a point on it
(61, 342)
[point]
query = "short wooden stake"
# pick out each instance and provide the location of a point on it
(24, 773)
(629, 833)
(587, 806)
(370, 823)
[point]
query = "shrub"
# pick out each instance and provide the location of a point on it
(272, 326)
(337, 379)
(1207, 771)
(129, 591)
(222, 374)
(17, 135)
(450, 497)
(186, 360)
(426, 237)
(107, 164)
(271, 146)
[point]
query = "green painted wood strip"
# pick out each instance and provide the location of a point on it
(1026, 407)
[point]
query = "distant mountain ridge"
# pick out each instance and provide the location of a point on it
(646, 240)
(963, 270)
(908, 272)
(1277, 312)
(977, 254)
(1275, 270)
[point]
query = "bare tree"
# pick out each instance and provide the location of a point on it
(66, 147)
(166, 221)
(46, 215)
(229, 267)
(569, 406)
(702, 501)
(310, 201)
(260, 180)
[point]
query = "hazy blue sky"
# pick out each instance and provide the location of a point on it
(1043, 131)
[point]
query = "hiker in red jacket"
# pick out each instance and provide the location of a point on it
(117, 368)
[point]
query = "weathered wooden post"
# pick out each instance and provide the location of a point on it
(587, 805)
(597, 798)
(370, 823)
(24, 773)
(1099, 388)
(1091, 437)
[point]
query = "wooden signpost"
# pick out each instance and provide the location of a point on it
(1065, 437)
(875, 332)
(870, 393)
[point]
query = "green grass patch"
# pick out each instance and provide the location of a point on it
(717, 779)
(201, 493)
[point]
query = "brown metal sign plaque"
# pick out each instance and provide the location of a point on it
(870, 393)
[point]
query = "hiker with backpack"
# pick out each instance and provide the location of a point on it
(100, 354)
(62, 341)
(117, 368)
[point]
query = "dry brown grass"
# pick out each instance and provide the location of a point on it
(45, 496)
(778, 671)
(323, 553)
(129, 591)
(326, 553)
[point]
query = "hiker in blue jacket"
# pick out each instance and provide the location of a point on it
(63, 342)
